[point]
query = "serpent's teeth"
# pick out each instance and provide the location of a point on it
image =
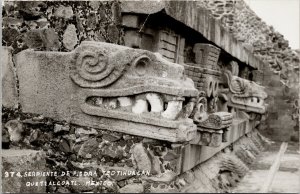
(173, 109)
(255, 100)
(156, 102)
(113, 104)
(140, 106)
(124, 101)
(98, 101)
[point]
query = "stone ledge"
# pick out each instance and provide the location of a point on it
(198, 19)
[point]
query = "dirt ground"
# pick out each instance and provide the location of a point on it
(287, 178)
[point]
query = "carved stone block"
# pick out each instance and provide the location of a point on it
(216, 139)
(206, 54)
(225, 135)
(208, 137)
(130, 21)
(132, 39)
(171, 46)
(217, 121)
(244, 94)
(108, 86)
(195, 154)
(206, 80)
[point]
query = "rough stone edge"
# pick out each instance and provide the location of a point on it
(11, 97)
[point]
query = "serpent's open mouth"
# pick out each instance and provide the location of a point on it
(251, 103)
(147, 104)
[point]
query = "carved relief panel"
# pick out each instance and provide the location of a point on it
(212, 123)
(171, 46)
(133, 85)
(112, 87)
(159, 39)
(242, 94)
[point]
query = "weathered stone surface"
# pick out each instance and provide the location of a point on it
(64, 146)
(59, 128)
(218, 120)
(64, 12)
(112, 150)
(21, 17)
(195, 154)
(216, 139)
(42, 39)
(9, 35)
(155, 161)
(166, 177)
(206, 54)
(70, 39)
(12, 22)
(31, 10)
(94, 4)
(244, 94)
(111, 137)
(221, 172)
(89, 148)
(132, 188)
(130, 21)
(97, 103)
(281, 68)
(21, 161)
(170, 156)
(9, 87)
(141, 158)
(81, 132)
(91, 21)
(15, 130)
(48, 85)
(189, 177)
(46, 88)
(200, 20)
(113, 33)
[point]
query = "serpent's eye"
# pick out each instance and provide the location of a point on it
(141, 65)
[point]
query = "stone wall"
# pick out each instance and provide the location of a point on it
(59, 26)
(263, 40)
(62, 26)
(281, 72)
(123, 163)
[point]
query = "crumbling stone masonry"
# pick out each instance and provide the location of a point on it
(148, 96)
(281, 72)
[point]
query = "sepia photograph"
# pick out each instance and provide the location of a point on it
(158, 96)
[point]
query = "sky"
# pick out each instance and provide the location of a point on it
(283, 15)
